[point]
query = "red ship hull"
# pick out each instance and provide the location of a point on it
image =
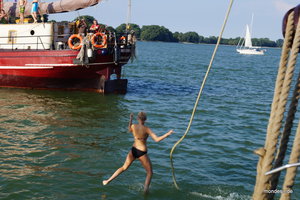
(55, 69)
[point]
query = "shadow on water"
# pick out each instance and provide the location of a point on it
(160, 87)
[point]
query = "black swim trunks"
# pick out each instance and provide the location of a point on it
(137, 153)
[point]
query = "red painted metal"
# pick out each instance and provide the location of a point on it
(54, 69)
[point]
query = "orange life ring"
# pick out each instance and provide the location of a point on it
(70, 41)
(95, 43)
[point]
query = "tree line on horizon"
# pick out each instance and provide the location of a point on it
(161, 33)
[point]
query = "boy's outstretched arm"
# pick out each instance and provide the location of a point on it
(159, 138)
(130, 122)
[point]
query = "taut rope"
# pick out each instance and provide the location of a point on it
(295, 154)
(282, 88)
(200, 92)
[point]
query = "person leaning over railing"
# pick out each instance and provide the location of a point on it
(95, 27)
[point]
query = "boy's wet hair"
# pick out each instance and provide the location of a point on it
(142, 116)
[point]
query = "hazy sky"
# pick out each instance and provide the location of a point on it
(203, 16)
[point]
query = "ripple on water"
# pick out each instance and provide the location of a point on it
(60, 145)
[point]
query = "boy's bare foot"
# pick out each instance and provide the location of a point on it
(105, 182)
(146, 191)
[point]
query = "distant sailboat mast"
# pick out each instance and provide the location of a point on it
(251, 25)
(128, 16)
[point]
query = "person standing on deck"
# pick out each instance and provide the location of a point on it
(82, 26)
(4, 16)
(95, 27)
(22, 4)
(34, 10)
(139, 149)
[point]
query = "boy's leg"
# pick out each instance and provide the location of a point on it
(148, 167)
(127, 163)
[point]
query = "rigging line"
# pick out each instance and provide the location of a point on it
(239, 43)
(282, 168)
(199, 94)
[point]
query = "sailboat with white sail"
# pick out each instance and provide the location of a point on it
(246, 46)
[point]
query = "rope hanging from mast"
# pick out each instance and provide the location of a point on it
(199, 93)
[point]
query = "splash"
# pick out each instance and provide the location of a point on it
(231, 196)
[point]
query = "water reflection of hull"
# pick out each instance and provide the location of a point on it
(46, 131)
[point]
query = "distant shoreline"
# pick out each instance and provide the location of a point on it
(190, 43)
(163, 34)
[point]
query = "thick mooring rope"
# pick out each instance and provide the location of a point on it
(285, 136)
(283, 82)
(295, 154)
(288, 125)
(278, 87)
(291, 172)
(199, 94)
(269, 149)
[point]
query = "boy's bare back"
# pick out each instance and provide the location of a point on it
(140, 135)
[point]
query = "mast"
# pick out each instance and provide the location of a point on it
(251, 25)
(128, 16)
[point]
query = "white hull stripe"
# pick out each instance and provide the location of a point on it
(50, 66)
(65, 65)
(22, 67)
(68, 65)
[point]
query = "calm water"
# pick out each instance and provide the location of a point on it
(61, 145)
